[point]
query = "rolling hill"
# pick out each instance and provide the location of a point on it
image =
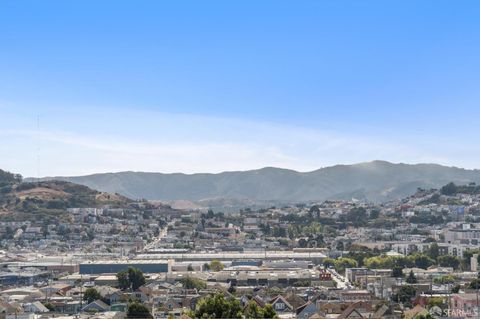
(374, 181)
(49, 199)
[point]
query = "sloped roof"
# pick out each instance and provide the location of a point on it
(282, 299)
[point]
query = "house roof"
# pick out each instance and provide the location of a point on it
(347, 313)
(295, 300)
(282, 299)
(39, 306)
(97, 304)
(415, 311)
(355, 310)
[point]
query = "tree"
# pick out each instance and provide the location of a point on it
(210, 214)
(193, 283)
(433, 251)
(216, 265)
(343, 263)
(217, 306)
(411, 279)
(357, 216)
(445, 279)
(380, 262)
(405, 294)
(449, 189)
(138, 310)
(91, 294)
(314, 211)
(397, 272)
(449, 261)
(374, 213)
(269, 312)
(130, 278)
(253, 311)
(474, 284)
(265, 228)
(467, 255)
(340, 246)
(302, 243)
(436, 302)
(122, 279)
(421, 260)
(190, 267)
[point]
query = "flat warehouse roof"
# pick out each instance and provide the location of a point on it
(237, 255)
(126, 262)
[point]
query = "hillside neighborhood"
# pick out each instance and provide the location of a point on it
(410, 258)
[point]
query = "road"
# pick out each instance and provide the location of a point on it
(342, 282)
(162, 234)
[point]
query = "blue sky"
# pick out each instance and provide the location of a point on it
(207, 86)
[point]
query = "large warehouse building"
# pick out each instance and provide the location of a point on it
(114, 266)
(313, 257)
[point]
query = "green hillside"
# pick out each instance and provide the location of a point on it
(48, 200)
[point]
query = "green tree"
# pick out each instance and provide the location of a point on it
(217, 306)
(91, 294)
(474, 284)
(379, 262)
(446, 279)
(210, 214)
(343, 263)
(193, 283)
(216, 265)
(132, 278)
(433, 251)
(253, 311)
(138, 310)
(374, 213)
(405, 294)
(269, 312)
(357, 216)
(411, 279)
(436, 302)
(467, 255)
(397, 272)
(302, 243)
(122, 279)
(449, 189)
(421, 260)
(449, 261)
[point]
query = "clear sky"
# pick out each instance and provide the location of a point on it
(207, 86)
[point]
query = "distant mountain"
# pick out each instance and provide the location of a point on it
(374, 181)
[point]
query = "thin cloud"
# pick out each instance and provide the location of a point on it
(149, 141)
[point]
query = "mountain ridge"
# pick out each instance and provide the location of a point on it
(372, 181)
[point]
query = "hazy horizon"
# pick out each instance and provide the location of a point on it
(253, 169)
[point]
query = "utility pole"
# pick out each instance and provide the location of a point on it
(81, 292)
(449, 290)
(478, 306)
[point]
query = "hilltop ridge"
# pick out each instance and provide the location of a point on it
(372, 181)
